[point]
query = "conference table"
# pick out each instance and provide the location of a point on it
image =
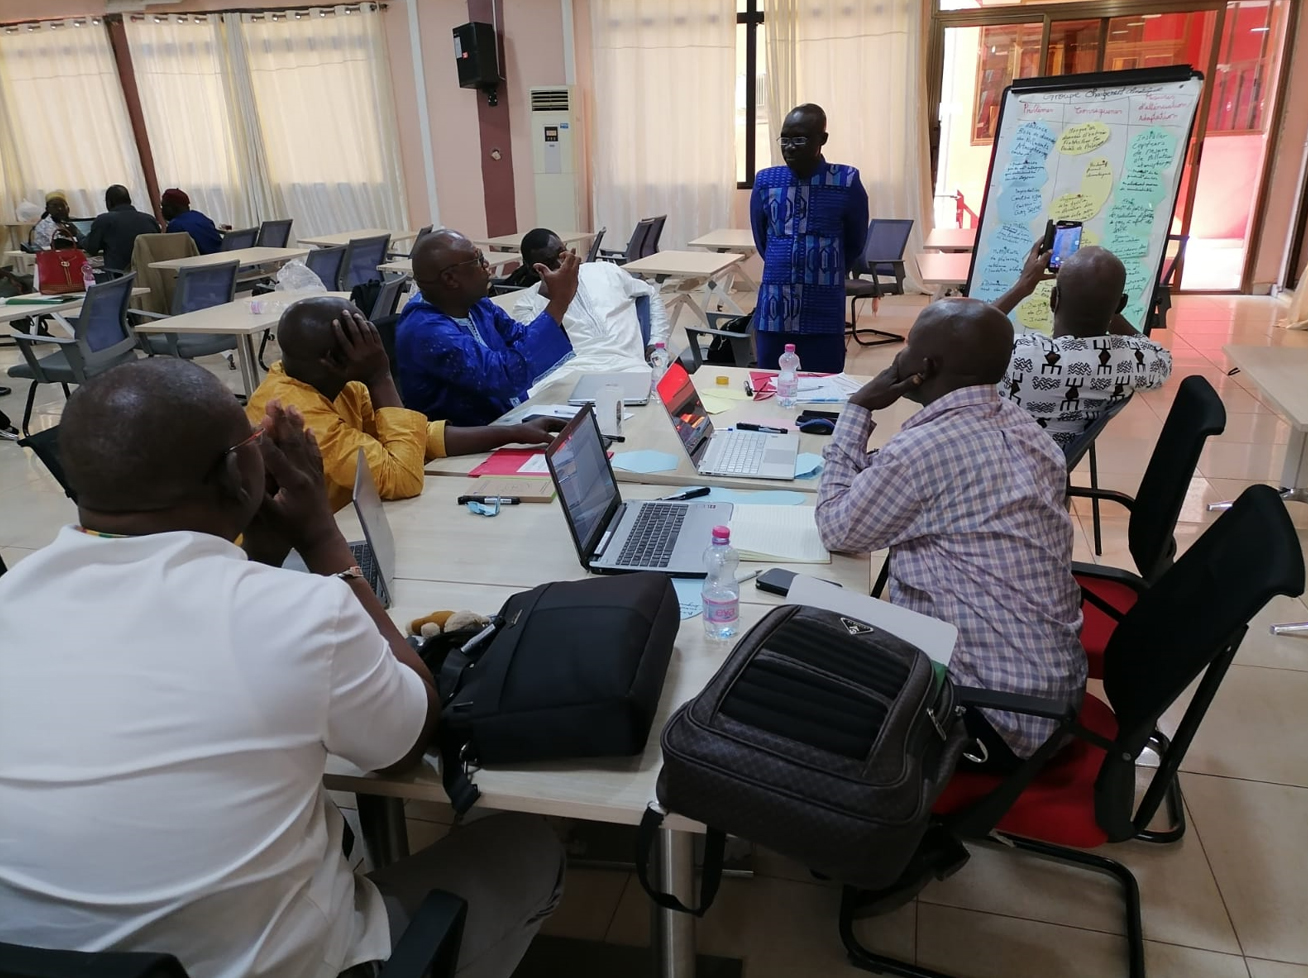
(512, 242)
(345, 237)
(731, 241)
(244, 319)
(706, 273)
(495, 259)
(950, 239)
(943, 270)
(59, 311)
(246, 257)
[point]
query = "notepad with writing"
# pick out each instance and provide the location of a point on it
(787, 534)
(529, 490)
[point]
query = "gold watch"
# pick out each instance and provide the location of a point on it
(354, 573)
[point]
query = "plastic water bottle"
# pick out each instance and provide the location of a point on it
(721, 593)
(88, 275)
(658, 364)
(788, 379)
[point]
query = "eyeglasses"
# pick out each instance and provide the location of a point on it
(255, 436)
(478, 258)
(796, 142)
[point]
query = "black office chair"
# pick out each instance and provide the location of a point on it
(1078, 448)
(237, 240)
(327, 263)
(102, 338)
(196, 288)
(413, 248)
(388, 298)
(644, 241)
(883, 254)
(428, 948)
(274, 234)
(1162, 298)
(594, 251)
(1078, 791)
(736, 343)
(362, 256)
(45, 445)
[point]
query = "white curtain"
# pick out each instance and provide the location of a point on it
(664, 115)
(322, 98)
(63, 120)
(780, 32)
(862, 61)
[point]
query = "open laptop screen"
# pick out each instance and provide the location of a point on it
(585, 482)
(689, 416)
(376, 528)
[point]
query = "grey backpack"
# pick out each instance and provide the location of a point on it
(821, 737)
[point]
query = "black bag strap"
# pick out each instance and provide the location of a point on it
(463, 794)
(494, 668)
(715, 844)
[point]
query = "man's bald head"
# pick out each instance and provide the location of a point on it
(150, 436)
(956, 343)
(1088, 292)
(447, 271)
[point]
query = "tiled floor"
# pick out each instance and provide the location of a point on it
(1230, 900)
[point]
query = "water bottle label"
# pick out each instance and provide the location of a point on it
(721, 612)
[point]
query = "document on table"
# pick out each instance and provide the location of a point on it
(787, 534)
(534, 465)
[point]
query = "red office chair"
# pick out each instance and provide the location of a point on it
(1188, 625)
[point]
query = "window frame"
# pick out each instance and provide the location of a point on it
(752, 18)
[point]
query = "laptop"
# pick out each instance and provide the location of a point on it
(375, 553)
(83, 225)
(633, 383)
(744, 454)
(612, 535)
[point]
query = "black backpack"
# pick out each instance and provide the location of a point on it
(821, 737)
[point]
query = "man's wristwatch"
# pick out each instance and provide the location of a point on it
(354, 573)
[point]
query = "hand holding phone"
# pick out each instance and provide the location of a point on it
(1062, 240)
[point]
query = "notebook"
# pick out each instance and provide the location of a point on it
(788, 534)
(529, 490)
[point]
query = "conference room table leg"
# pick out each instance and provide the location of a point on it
(738, 272)
(713, 289)
(381, 822)
(248, 359)
(672, 934)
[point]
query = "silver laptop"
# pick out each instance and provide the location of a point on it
(743, 454)
(375, 553)
(612, 535)
(634, 385)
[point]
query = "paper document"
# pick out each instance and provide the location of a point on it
(934, 637)
(535, 464)
(787, 534)
(689, 596)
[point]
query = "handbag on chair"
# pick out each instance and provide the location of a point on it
(60, 272)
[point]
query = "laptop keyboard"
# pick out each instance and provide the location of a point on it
(654, 536)
(742, 454)
(368, 564)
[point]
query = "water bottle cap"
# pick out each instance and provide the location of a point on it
(790, 347)
(721, 534)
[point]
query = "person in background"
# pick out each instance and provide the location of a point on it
(115, 232)
(335, 372)
(601, 320)
(54, 222)
(175, 206)
(168, 717)
(462, 359)
(969, 497)
(810, 221)
(1094, 357)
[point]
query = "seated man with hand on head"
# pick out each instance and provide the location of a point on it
(168, 702)
(601, 320)
(968, 496)
(335, 372)
(1095, 357)
(463, 359)
(175, 206)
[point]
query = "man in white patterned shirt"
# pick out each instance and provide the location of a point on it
(968, 496)
(1095, 357)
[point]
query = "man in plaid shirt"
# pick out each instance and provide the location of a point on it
(969, 499)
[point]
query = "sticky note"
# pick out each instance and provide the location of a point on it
(1083, 138)
(645, 460)
(807, 465)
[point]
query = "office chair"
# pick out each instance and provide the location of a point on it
(45, 445)
(1162, 298)
(102, 338)
(388, 298)
(196, 288)
(594, 251)
(429, 946)
(362, 256)
(1077, 449)
(274, 234)
(883, 254)
(413, 248)
(739, 343)
(326, 263)
(1066, 799)
(644, 241)
(237, 240)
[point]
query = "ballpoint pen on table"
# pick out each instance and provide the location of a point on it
(748, 577)
(746, 426)
(491, 500)
(693, 493)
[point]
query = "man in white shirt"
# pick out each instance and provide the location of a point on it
(1094, 357)
(601, 320)
(168, 701)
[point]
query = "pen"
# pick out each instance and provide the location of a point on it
(748, 577)
(617, 438)
(745, 426)
(491, 500)
(687, 494)
(749, 390)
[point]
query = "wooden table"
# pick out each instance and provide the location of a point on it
(345, 237)
(950, 239)
(705, 273)
(496, 259)
(245, 319)
(731, 241)
(248, 258)
(512, 242)
(943, 270)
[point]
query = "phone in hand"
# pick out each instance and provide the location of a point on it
(1062, 240)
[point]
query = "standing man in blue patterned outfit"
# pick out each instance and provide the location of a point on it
(810, 221)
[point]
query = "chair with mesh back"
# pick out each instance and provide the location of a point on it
(388, 298)
(102, 338)
(883, 254)
(362, 256)
(196, 288)
(326, 263)
(274, 234)
(413, 248)
(1078, 790)
(644, 241)
(738, 344)
(594, 251)
(237, 240)
(45, 445)
(1084, 444)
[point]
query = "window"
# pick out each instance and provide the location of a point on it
(752, 146)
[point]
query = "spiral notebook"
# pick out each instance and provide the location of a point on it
(787, 534)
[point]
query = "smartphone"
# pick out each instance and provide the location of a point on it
(778, 581)
(1062, 239)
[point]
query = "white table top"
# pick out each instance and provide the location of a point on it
(232, 318)
(496, 260)
(951, 239)
(944, 267)
(8, 312)
(1281, 373)
(727, 239)
(345, 237)
(684, 264)
(246, 256)
(511, 242)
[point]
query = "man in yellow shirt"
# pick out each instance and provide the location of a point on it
(335, 372)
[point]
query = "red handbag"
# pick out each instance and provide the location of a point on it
(60, 272)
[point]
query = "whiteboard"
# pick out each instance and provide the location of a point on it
(1108, 154)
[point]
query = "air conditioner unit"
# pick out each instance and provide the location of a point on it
(556, 147)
